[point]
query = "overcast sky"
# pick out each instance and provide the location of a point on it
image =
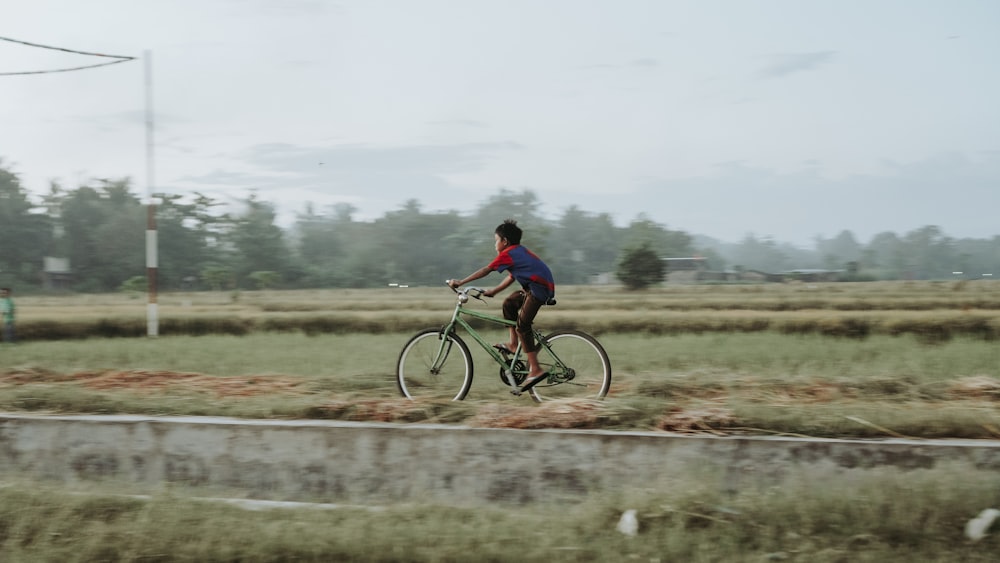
(784, 118)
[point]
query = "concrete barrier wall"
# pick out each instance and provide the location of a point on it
(343, 462)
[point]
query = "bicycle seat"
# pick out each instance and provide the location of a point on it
(551, 301)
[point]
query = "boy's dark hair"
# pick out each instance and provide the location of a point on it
(510, 231)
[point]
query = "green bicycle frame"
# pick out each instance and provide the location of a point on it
(557, 371)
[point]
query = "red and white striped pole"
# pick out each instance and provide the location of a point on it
(152, 314)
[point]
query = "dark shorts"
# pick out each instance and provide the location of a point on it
(522, 306)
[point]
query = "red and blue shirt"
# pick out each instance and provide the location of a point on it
(526, 269)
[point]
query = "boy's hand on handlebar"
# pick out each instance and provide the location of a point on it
(452, 283)
(489, 293)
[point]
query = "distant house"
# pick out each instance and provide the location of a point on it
(695, 270)
(759, 276)
(718, 276)
(56, 273)
(814, 275)
(605, 278)
(685, 270)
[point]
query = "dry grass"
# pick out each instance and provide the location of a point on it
(681, 363)
(931, 310)
(765, 380)
(553, 414)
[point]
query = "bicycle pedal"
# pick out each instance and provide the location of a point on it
(515, 392)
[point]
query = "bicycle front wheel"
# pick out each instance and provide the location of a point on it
(581, 353)
(433, 365)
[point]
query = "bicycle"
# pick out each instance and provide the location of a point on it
(437, 363)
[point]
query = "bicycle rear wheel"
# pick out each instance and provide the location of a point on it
(416, 374)
(584, 355)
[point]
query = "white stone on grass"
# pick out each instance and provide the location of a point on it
(975, 529)
(628, 524)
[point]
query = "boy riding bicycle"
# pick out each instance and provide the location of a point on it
(538, 288)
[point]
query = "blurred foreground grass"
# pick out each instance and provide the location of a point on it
(878, 515)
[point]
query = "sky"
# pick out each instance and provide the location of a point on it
(788, 119)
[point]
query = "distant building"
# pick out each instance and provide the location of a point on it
(694, 269)
(56, 273)
(685, 270)
(813, 275)
(759, 276)
(605, 278)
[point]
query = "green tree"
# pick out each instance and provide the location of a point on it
(886, 256)
(713, 259)
(218, 277)
(120, 241)
(980, 257)
(839, 250)
(420, 248)
(641, 267)
(135, 284)
(365, 265)
(319, 245)
(761, 254)
(507, 204)
(187, 234)
(258, 242)
(25, 233)
(104, 228)
(265, 280)
(930, 254)
(643, 230)
(324, 242)
(582, 245)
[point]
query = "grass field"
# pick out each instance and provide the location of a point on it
(770, 380)
(931, 311)
(875, 516)
(839, 360)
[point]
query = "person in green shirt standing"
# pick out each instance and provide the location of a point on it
(8, 313)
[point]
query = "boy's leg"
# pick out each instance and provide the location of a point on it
(525, 318)
(511, 309)
(534, 370)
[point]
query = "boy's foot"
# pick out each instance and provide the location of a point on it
(505, 348)
(530, 381)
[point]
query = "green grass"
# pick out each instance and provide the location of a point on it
(759, 355)
(289, 354)
(708, 359)
(764, 383)
(878, 515)
(849, 359)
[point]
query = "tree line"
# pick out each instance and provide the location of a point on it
(99, 227)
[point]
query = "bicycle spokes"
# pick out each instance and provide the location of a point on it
(434, 365)
(578, 366)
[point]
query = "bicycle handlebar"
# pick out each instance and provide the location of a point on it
(468, 291)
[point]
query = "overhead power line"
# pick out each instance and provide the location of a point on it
(118, 58)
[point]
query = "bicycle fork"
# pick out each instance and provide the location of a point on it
(444, 348)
